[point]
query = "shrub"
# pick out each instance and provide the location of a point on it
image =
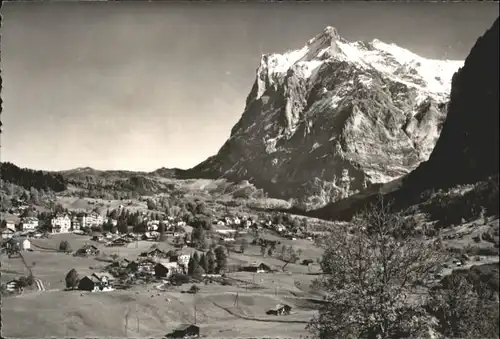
(64, 246)
(179, 279)
(194, 289)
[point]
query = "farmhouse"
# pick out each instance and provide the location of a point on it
(148, 236)
(9, 225)
(184, 331)
(87, 250)
(124, 262)
(257, 268)
(117, 242)
(165, 269)
(280, 309)
(154, 253)
(97, 236)
(29, 223)
(7, 233)
(60, 223)
(130, 237)
(145, 265)
(89, 283)
(94, 282)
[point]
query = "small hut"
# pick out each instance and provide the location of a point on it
(280, 309)
(26, 245)
(184, 330)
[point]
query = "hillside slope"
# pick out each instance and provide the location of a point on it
(335, 117)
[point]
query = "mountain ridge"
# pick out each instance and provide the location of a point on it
(358, 113)
(467, 150)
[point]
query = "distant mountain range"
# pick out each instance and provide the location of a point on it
(333, 118)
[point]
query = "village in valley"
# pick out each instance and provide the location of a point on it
(255, 174)
(203, 261)
(204, 253)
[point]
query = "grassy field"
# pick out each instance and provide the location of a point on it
(58, 313)
(144, 311)
(150, 313)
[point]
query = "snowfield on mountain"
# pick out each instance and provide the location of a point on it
(334, 117)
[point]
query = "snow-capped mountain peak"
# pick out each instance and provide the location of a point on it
(404, 66)
(335, 116)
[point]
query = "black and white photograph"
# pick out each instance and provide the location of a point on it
(250, 169)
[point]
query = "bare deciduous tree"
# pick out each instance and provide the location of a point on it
(372, 269)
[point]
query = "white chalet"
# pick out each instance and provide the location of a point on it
(29, 223)
(153, 225)
(92, 219)
(61, 223)
(183, 259)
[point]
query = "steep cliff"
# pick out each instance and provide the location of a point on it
(467, 149)
(333, 118)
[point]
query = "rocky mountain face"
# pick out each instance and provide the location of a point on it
(333, 118)
(467, 149)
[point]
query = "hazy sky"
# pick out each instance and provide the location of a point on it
(144, 85)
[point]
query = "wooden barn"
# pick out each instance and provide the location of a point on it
(184, 330)
(257, 268)
(280, 310)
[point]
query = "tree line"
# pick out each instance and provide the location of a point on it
(29, 178)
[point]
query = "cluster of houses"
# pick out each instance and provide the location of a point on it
(249, 223)
(59, 223)
(153, 263)
(170, 224)
(18, 206)
(64, 223)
